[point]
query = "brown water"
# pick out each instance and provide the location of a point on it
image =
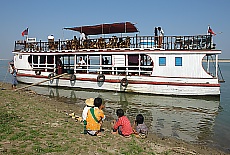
(189, 119)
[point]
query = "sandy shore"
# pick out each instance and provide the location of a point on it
(37, 124)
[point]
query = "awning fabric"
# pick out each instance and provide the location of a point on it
(125, 27)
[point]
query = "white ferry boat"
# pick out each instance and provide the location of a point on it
(168, 65)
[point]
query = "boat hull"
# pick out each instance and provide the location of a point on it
(113, 83)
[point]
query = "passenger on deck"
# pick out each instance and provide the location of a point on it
(51, 38)
(82, 38)
(51, 42)
(59, 66)
(106, 61)
(161, 35)
(75, 43)
(81, 62)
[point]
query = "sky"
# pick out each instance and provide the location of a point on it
(176, 17)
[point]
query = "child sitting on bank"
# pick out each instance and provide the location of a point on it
(89, 104)
(139, 127)
(95, 117)
(122, 126)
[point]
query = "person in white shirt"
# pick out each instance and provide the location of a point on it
(51, 42)
(89, 104)
(81, 62)
(51, 37)
(82, 38)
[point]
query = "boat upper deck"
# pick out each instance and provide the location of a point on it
(197, 42)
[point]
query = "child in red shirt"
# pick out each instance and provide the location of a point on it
(122, 126)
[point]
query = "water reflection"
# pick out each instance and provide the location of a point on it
(190, 119)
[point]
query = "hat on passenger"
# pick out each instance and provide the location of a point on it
(89, 102)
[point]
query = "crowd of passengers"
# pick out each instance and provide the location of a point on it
(84, 43)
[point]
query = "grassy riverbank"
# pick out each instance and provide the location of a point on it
(36, 124)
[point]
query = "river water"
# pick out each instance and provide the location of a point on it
(196, 120)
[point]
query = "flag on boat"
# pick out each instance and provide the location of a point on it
(25, 32)
(210, 31)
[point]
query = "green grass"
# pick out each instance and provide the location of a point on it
(27, 127)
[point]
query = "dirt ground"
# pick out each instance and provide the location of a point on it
(37, 124)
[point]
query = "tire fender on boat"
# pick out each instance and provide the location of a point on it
(51, 75)
(72, 77)
(37, 72)
(101, 78)
(124, 82)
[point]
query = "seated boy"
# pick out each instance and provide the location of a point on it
(139, 127)
(95, 117)
(122, 126)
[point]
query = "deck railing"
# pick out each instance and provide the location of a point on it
(198, 42)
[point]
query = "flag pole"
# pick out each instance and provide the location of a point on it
(27, 36)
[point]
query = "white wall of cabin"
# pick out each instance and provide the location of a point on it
(21, 61)
(191, 66)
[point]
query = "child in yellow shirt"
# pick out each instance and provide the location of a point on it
(95, 117)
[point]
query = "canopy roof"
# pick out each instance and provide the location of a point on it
(125, 27)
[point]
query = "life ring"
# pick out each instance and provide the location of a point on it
(124, 82)
(38, 72)
(101, 78)
(51, 75)
(72, 77)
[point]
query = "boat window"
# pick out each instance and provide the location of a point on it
(178, 61)
(68, 64)
(107, 64)
(106, 60)
(145, 60)
(162, 61)
(50, 59)
(133, 60)
(42, 59)
(30, 59)
(35, 59)
(94, 62)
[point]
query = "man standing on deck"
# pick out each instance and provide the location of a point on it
(59, 66)
(161, 35)
(82, 39)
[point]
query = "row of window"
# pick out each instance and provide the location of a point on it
(162, 61)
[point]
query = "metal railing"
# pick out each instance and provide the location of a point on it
(198, 42)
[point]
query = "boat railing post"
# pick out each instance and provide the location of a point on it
(40, 44)
(59, 44)
(216, 66)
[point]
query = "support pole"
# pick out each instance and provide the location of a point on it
(40, 82)
(216, 66)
